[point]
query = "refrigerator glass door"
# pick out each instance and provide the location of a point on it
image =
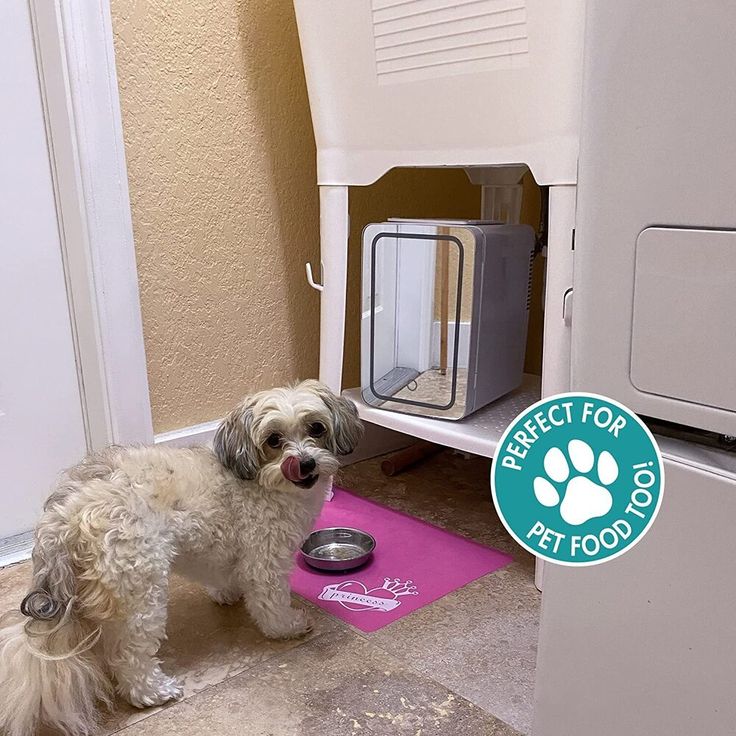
(420, 291)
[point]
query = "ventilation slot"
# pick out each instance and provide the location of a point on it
(425, 39)
(529, 282)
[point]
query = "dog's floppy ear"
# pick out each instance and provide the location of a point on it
(234, 445)
(347, 427)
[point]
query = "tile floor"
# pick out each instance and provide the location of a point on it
(462, 666)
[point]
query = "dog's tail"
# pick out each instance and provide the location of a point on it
(49, 671)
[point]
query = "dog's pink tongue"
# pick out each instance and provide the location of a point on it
(291, 470)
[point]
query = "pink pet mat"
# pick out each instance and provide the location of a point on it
(414, 564)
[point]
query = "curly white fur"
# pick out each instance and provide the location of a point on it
(121, 520)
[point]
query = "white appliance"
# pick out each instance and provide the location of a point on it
(640, 289)
(644, 645)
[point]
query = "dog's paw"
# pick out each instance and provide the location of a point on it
(291, 625)
(224, 596)
(156, 691)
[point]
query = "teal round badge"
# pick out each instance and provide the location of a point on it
(577, 479)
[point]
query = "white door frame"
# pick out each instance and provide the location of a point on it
(76, 64)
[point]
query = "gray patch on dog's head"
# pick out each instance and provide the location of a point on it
(347, 426)
(233, 443)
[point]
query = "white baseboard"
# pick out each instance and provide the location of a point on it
(16, 549)
(196, 434)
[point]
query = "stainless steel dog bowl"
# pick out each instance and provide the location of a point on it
(338, 548)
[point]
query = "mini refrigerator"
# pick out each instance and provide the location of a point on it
(445, 313)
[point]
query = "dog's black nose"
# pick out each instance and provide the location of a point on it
(307, 465)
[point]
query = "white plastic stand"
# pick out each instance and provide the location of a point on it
(557, 302)
(557, 323)
(334, 229)
(378, 74)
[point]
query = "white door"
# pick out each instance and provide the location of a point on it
(41, 418)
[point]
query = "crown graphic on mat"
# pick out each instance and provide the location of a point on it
(356, 596)
(399, 588)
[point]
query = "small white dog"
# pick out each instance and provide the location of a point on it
(119, 522)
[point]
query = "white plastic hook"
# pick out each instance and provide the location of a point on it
(310, 277)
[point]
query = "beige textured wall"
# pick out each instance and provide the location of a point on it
(220, 156)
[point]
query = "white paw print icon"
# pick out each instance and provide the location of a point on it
(583, 499)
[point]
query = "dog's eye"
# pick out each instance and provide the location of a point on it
(274, 440)
(316, 429)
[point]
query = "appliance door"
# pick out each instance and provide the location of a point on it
(655, 245)
(644, 645)
(417, 278)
